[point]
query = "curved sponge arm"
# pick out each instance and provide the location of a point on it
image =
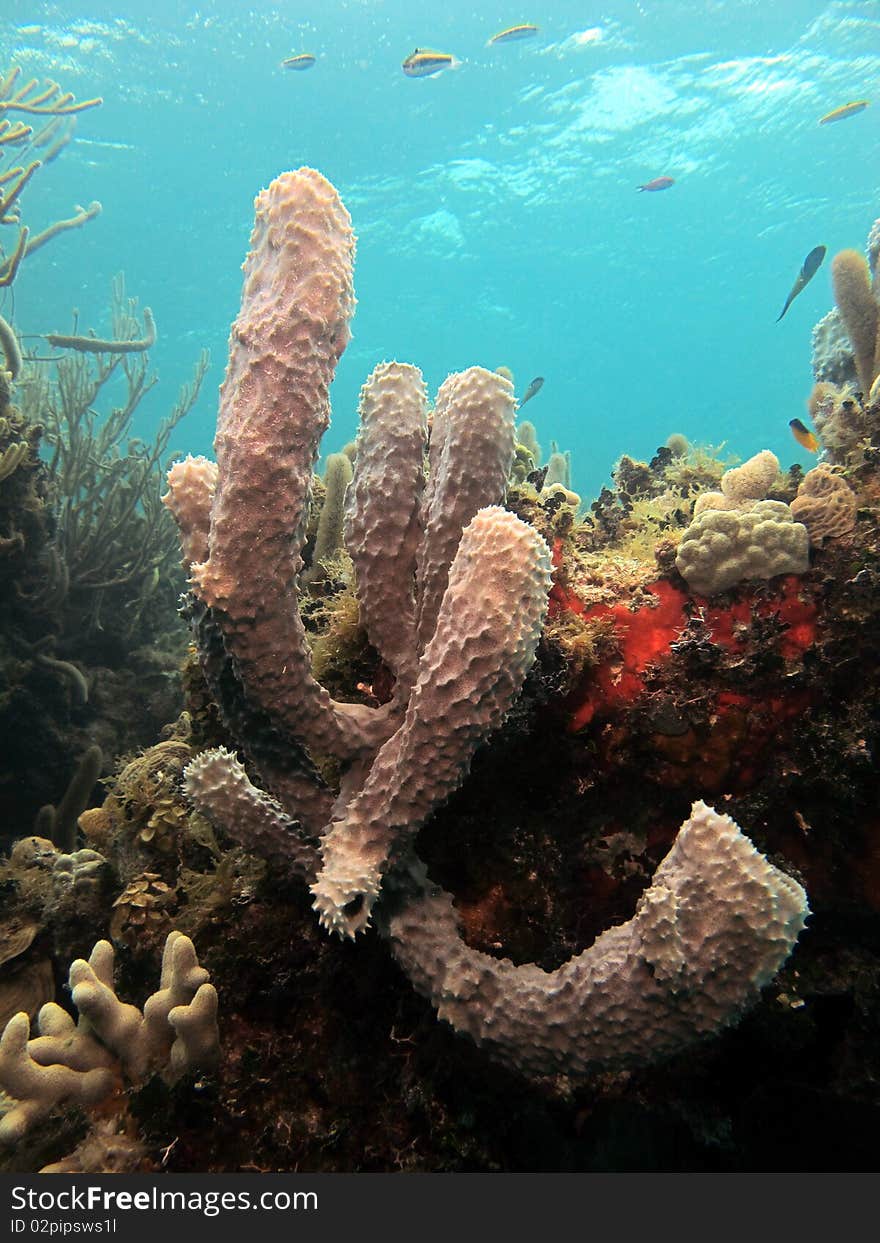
(716, 924)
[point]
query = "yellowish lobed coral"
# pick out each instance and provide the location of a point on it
(736, 536)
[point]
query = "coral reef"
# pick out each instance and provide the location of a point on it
(621, 953)
(420, 637)
(113, 547)
(90, 640)
(458, 649)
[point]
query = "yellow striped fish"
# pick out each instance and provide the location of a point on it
(845, 110)
(305, 60)
(423, 62)
(512, 33)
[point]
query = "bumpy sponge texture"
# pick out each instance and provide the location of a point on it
(382, 532)
(714, 927)
(191, 487)
(219, 786)
(484, 642)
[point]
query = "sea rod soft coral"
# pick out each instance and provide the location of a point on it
(453, 593)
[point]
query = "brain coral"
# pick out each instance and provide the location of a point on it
(825, 504)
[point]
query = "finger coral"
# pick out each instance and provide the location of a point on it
(83, 1063)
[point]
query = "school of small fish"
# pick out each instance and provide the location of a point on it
(425, 62)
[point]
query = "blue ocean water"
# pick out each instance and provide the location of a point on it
(495, 204)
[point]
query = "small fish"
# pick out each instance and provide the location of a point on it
(659, 183)
(524, 31)
(845, 110)
(423, 62)
(811, 266)
(535, 387)
(305, 60)
(803, 435)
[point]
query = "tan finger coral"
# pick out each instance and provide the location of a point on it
(36, 1089)
(83, 1063)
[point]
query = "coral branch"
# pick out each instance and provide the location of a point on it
(14, 132)
(101, 345)
(37, 1088)
(328, 538)
(9, 270)
(9, 345)
(83, 215)
(12, 194)
(45, 140)
(42, 106)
